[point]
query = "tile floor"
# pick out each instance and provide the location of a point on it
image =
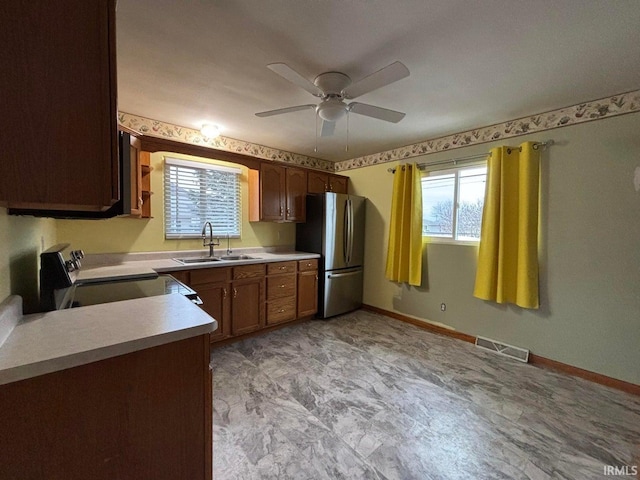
(365, 396)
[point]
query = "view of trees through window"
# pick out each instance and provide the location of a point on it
(452, 203)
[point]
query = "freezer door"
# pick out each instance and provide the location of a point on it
(342, 291)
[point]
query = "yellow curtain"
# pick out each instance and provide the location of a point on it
(508, 257)
(404, 251)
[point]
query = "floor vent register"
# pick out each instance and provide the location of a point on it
(516, 353)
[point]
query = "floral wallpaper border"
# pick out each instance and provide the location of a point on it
(584, 112)
(157, 128)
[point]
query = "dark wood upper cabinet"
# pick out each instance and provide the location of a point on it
(272, 192)
(278, 194)
(319, 182)
(296, 194)
(59, 112)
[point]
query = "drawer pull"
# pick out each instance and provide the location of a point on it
(282, 310)
(282, 286)
(282, 268)
(235, 292)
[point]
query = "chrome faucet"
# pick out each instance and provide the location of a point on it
(229, 252)
(211, 243)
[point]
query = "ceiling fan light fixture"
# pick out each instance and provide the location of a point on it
(209, 130)
(331, 110)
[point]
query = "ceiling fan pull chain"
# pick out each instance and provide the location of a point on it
(315, 149)
(346, 148)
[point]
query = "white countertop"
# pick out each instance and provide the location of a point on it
(48, 342)
(130, 265)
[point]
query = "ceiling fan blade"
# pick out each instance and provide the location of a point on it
(327, 128)
(279, 111)
(376, 112)
(288, 73)
(389, 74)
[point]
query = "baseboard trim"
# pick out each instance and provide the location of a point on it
(418, 323)
(533, 359)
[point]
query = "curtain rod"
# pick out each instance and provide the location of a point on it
(422, 166)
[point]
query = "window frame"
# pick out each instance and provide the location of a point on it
(447, 170)
(200, 165)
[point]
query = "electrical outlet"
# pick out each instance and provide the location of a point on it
(443, 307)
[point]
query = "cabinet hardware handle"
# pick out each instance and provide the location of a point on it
(224, 293)
(282, 310)
(282, 286)
(326, 187)
(140, 202)
(283, 268)
(308, 264)
(280, 210)
(235, 292)
(288, 211)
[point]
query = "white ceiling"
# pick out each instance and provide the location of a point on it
(473, 63)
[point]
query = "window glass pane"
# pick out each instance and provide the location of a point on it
(470, 202)
(195, 195)
(437, 205)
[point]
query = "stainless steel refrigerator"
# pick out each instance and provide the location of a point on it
(335, 229)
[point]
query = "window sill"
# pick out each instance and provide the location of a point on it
(450, 241)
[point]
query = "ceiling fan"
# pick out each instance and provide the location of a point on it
(333, 88)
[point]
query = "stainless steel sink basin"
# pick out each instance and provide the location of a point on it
(237, 257)
(187, 261)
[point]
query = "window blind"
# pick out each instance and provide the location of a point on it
(195, 193)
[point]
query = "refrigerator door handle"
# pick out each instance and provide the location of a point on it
(345, 234)
(347, 274)
(350, 230)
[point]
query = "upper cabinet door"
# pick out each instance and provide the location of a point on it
(338, 184)
(272, 192)
(318, 182)
(296, 194)
(59, 113)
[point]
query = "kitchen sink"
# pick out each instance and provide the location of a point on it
(237, 257)
(187, 261)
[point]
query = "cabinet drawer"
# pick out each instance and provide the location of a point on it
(306, 265)
(248, 271)
(281, 310)
(281, 267)
(210, 275)
(280, 286)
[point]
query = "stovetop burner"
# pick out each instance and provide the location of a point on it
(60, 288)
(116, 291)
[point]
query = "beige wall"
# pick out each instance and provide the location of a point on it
(21, 241)
(123, 235)
(589, 254)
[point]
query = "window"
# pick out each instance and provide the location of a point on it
(452, 202)
(195, 193)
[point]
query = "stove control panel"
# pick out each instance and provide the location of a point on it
(57, 273)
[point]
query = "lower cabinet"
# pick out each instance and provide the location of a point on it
(214, 289)
(307, 287)
(141, 415)
(281, 292)
(248, 298)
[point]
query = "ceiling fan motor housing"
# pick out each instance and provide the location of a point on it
(332, 83)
